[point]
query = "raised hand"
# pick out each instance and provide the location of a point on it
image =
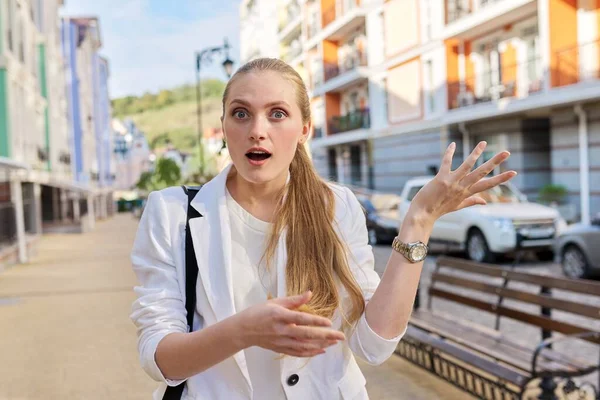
(453, 190)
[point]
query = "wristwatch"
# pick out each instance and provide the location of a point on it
(414, 252)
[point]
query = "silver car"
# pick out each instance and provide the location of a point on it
(578, 250)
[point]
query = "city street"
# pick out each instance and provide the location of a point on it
(66, 332)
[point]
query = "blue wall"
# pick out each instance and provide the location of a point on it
(70, 37)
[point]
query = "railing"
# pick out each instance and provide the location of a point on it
(576, 64)
(292, 11)
(520, 80)
(354, 120)
(457, 9)
(8, 223)
(291, 53)
(330, 14)
(351, 62)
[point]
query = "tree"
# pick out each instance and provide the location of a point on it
(166, 173)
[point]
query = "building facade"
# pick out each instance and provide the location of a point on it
(38, 190)
(394, 82)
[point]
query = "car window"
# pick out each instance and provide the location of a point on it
(413, 192)
(500, 194)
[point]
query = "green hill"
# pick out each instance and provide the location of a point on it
(171, 114)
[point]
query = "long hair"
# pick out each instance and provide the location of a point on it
(316, 255)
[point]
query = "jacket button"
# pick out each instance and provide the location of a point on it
(293, 379)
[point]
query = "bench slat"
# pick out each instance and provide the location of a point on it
(471, 358)
(541, 300)
(537, 320)
(493, 343)
(573, 285)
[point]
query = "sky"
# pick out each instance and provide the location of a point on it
(151, 44)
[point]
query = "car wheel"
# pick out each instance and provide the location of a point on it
(477, 247)
(545, 255)
(574, 263)
(373, 237)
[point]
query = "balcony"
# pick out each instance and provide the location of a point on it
(519, 80)
(290, 23)
(468, 19)
(353, 120)
(336, 23)
(290, 54)
(576, 64)
(354, 60)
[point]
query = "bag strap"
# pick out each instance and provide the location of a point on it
(191, 277)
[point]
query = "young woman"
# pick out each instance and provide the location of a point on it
(287, 293)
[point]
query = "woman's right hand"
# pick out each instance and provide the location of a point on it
(277, 325)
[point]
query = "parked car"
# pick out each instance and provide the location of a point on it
(507, 222)
(578, 250)
(382, 221)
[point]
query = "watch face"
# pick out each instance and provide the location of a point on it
(418, 252)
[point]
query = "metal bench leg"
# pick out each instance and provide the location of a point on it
(548, 387)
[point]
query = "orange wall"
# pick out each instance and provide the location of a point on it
(332, 106)
(452, 69)
(469, 68)
(563, 36)
(509, 65)
(327, 12)
(330, 52)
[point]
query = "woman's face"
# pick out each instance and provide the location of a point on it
(263, 126)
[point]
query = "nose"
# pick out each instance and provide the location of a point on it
(258, 129)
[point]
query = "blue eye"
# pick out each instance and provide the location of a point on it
(278, 114)
(241, 114)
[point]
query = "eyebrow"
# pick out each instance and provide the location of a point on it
(271, 104)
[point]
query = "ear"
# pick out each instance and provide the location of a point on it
(305, 132)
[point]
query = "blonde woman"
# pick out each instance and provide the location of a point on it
(286, 294)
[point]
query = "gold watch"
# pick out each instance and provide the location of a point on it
(414, 252)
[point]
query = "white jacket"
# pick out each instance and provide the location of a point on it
(158, 259)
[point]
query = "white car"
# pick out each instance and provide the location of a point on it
(500, 227)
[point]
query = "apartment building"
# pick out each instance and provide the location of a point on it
(394, 82)
(38, 191)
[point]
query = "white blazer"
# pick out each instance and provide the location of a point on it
(158, 259)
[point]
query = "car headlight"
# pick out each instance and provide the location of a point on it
(503, 224)
(560, 224)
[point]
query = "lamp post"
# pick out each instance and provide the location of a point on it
(206, 57)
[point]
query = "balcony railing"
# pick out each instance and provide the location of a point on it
(519, 80)
(349, 63)
(457, 9)
(354, 120)
(292, 11)
(331, 13)
(291, 53)
(576, 64)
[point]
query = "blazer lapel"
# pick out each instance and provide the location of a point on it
(211, 235)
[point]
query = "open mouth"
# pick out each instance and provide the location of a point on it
(258, 155)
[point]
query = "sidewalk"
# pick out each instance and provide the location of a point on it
(66, 332)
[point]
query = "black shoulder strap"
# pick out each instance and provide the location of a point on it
(191, 276)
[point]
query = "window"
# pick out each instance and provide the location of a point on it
(332, 158)
(413, 192)
(355, 166)
(430, 86)
(428, 25)
(11, 21)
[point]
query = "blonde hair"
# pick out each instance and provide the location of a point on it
(316, 255)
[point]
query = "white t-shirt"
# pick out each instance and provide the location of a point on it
(251, 283)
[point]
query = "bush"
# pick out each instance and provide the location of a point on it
(553, 193)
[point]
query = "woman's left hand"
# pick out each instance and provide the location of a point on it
(453, 190)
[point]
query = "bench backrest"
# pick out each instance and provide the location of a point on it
(452, 275)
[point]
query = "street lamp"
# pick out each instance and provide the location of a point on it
(206, 56)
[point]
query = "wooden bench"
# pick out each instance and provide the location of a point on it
(484, 361)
